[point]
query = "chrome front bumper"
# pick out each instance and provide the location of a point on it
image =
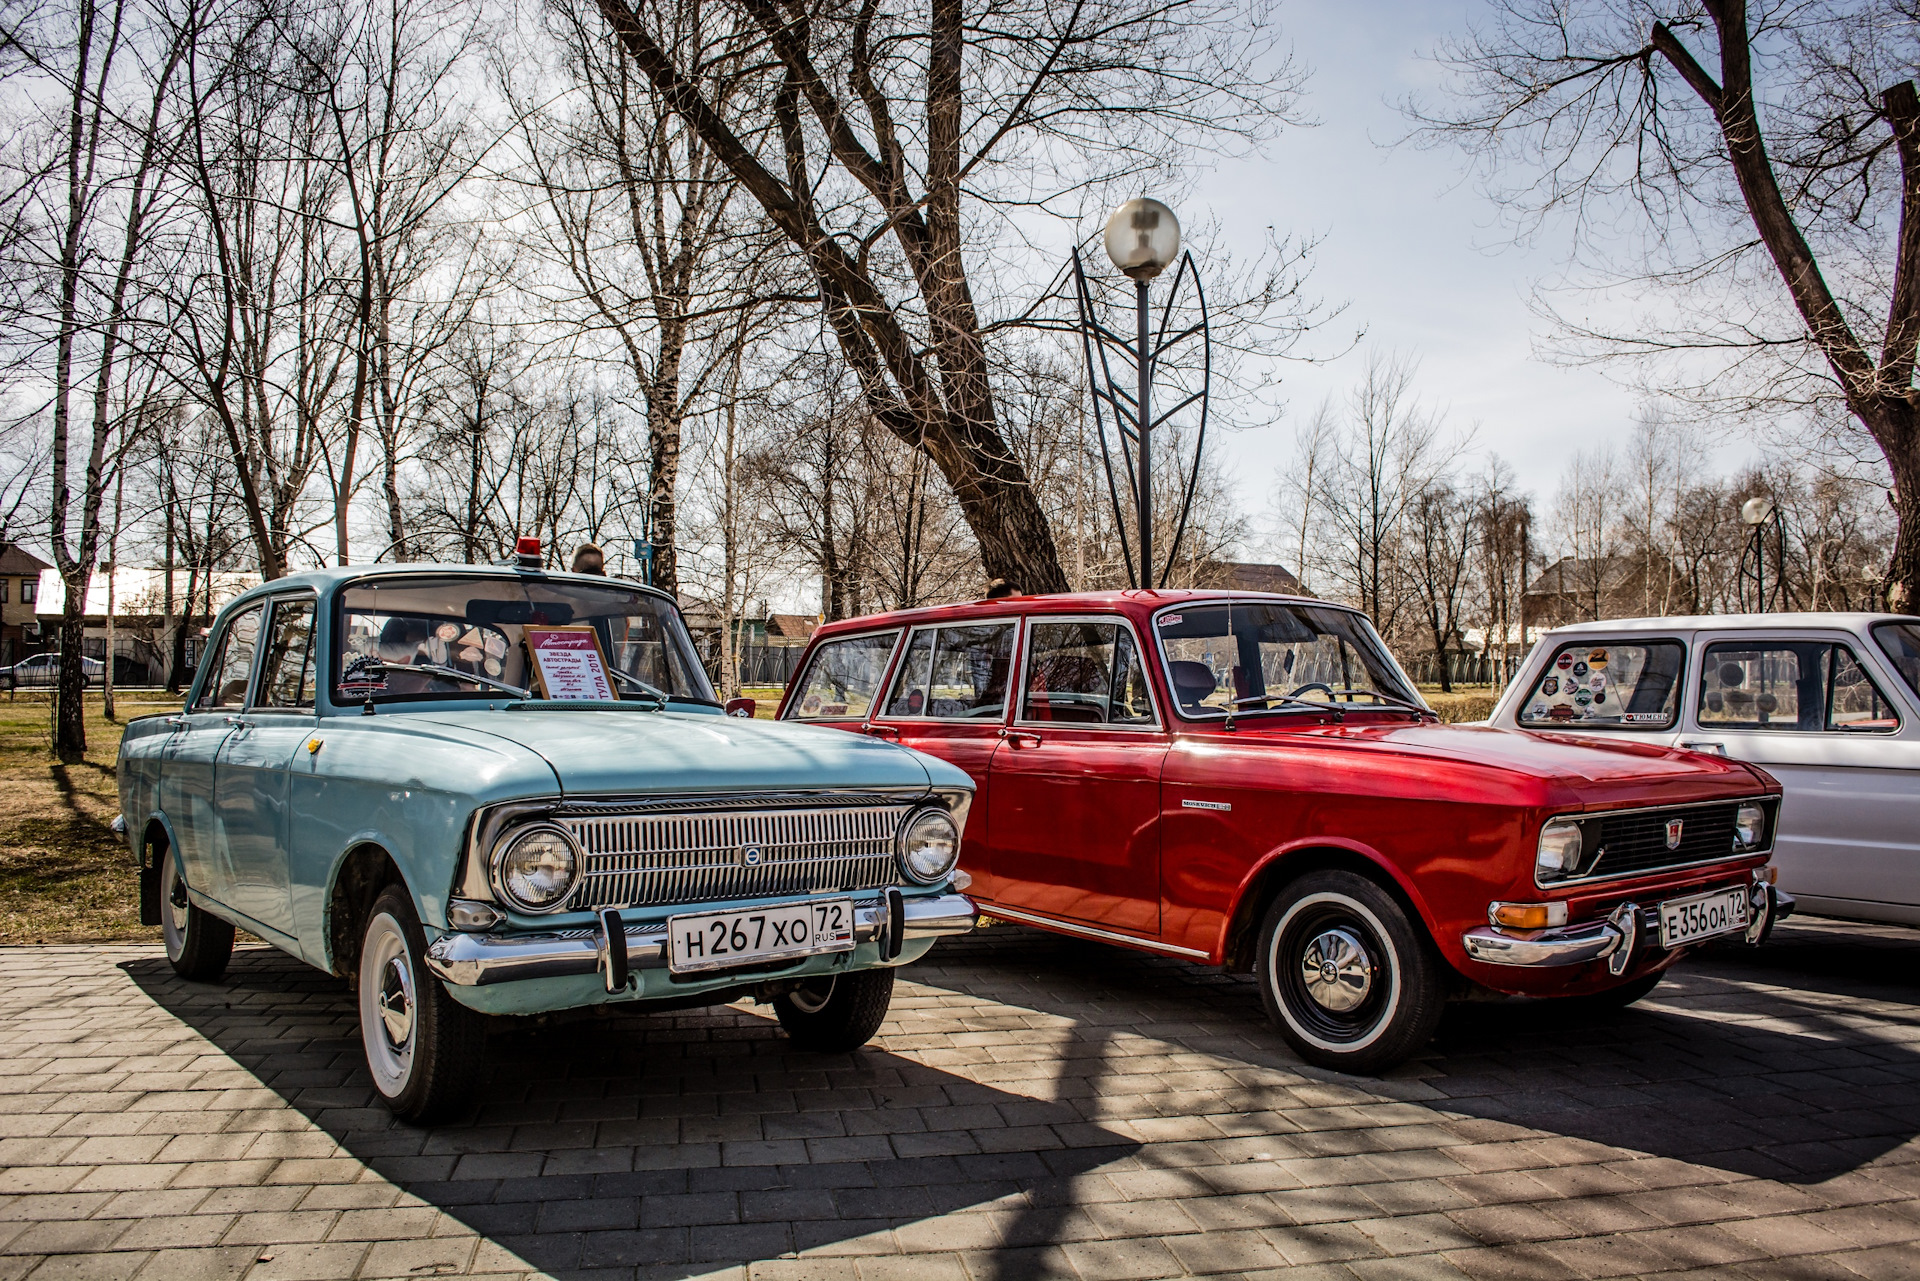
(1612, 939)
(474, 960)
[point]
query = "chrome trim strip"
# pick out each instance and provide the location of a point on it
(1019, 696)
(1088, 931)
(1567, 945)
(477, 960)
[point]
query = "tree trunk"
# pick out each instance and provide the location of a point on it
(70, 716)
(1902, 589)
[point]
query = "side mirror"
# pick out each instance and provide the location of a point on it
(742, 707)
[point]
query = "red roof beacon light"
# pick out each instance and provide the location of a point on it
(526, 553)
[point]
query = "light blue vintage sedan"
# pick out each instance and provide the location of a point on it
(365, 776)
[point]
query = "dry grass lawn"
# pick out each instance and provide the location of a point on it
(64, 876)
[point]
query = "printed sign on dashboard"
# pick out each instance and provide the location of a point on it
(568, 663)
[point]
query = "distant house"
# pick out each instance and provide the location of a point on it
(1578, 589)
(143, 636)
(20, 634)
(1250, 576)
(790, 630)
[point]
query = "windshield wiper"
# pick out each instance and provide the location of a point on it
(1390, 700)
(434, 669)
(1338, 713)
(659, 696)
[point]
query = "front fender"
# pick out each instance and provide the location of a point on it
(1277, 866)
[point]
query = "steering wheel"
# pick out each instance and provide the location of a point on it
(1298, 690)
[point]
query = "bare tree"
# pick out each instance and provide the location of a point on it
(871, 186)
(84, 201)
(1777, 141)
(1586, 520)
(1384, 452)
(1440, 529)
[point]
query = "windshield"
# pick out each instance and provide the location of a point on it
(479, 627)
(1251, 654)
(1900, 642)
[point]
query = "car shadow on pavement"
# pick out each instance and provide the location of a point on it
(679, 1143)
(1753, 1061)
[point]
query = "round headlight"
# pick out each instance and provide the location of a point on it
(1749, 826)
(929, 846)
(1559, 851)
(536, 867)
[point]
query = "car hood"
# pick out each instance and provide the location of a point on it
(621, 752)
(1596, 773)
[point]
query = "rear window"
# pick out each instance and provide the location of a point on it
(843, 678)
(1608, 685)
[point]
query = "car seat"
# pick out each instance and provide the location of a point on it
(1192, 682)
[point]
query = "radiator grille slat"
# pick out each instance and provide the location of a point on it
(638, 860)
(1637, 842)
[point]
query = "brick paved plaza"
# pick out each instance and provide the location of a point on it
(1036, 1107)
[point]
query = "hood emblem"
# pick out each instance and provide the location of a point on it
(1674, 828)
(750, 856)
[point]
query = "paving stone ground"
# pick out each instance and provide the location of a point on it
(1036, 1107)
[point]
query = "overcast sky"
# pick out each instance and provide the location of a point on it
(1419, 256)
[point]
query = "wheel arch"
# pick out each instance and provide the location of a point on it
(359, 875)
(1240, 939)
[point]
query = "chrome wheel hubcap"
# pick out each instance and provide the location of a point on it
(396, 1002)
(1337, 970)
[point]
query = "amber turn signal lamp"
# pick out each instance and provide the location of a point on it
(1527, 916)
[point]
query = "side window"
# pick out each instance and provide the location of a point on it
(1610, 685)
(843, 678)
(232, 663)
(1085, 673)
(1857, 705)
(1806, 686)
(288, 662)
(1776, 685)
(955, 673)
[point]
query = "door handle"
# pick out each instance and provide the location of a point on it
(882, 731)
(176, 722)
(239, 722)
(1704, 745)
(1015, 737)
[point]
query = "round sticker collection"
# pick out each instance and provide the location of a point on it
(1575, 690)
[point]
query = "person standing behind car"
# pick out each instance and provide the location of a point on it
(589, 559)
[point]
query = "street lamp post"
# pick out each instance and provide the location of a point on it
(1755, 514)
(1142, 238)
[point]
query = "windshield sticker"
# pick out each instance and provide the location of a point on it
(1645, 718)
(1564, 661)
(1597, 658)
(1596, 682)
(1582, 697)
(1560, 712)
(358, 680)
(1537, 711)
(1169, 620)
(568, 664)
(1550, 686)
(810, 705)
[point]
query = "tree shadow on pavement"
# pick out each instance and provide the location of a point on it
(679, 1143)
(1756, 1062)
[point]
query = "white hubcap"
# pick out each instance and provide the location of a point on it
(173, 906)
(387, 1005)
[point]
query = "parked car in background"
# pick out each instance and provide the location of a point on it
(43, 671)
(1250, 780)
(1828, 704)
(481, 791)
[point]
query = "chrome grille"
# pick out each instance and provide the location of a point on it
(637, 860)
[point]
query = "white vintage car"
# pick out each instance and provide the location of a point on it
(1829, 704)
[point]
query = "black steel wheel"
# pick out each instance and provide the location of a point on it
(1350, 980)
(836, 1013)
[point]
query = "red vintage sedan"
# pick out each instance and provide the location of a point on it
(1252, 781)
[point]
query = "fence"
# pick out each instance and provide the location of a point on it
(1464, 668)
(760, 664)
